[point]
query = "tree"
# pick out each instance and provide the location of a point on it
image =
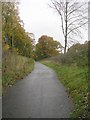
(73, 17)
(13, 32)
(47, 47)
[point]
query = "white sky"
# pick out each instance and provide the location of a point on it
(40, 19)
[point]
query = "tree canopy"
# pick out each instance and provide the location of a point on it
(47, 47)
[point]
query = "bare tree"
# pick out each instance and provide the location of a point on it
(73, 16)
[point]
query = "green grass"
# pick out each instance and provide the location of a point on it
(16, 68)
(75, 79)
(0, 76)
(0, 85)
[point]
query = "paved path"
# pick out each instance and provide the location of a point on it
(39, 95)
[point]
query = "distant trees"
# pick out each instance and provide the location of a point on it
(13, 32)
(47, 47)
(73, 16)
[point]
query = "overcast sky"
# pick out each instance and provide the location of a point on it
(40, 19)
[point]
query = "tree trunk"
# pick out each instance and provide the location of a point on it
(66, 29)
(65, 45)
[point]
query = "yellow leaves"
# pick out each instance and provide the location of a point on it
(6, 47)
(15, 50)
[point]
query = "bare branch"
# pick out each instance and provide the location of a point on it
(72, 5)
(73, 17)
(76, 17)
(76, 9)
(56, 7)
(75, 20)
(76, 28)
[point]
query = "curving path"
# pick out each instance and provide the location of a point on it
(39, 95)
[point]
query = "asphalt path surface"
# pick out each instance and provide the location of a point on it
(39, 95)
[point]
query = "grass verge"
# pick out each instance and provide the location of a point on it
(0, 85)
(15, 67)
(75, 80)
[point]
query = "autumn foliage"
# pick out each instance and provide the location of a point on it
(47, 47)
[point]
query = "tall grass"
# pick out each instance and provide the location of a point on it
(0, 85)
(15, 67)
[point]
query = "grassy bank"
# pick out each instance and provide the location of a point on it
(15, 67)
(0, 85)
(75, 80)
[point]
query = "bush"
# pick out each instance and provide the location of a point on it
(77, 55)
